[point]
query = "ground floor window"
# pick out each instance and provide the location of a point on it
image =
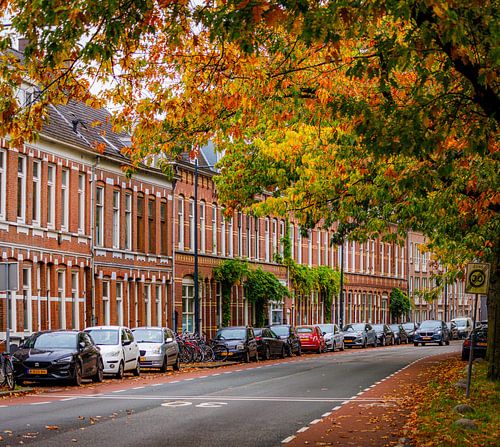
(276, 313)
(188, 305)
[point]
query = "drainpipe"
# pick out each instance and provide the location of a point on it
(93, 320)
(174, 184)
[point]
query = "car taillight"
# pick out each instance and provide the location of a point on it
(258, 338)
(467, 342)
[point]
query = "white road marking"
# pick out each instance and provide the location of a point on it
(138, 388)
(176, 404)
(69, 398)
(217, 374)
(325, 415)
(211, 404)
(157, 384)
(315, 421)
(119, 391)
(40, 403)
(302, 430)
(336, 408)
(286, 440)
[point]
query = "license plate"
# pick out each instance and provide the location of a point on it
(37, 371)
(142, 359)
(482, 344)
(426, 338)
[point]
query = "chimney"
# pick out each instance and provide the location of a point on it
(22, 43)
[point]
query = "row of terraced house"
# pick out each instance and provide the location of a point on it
(95, 246)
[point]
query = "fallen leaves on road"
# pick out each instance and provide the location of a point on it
(52, 427)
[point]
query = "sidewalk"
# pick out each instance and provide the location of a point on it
(375, 418)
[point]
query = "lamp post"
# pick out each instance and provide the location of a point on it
(341, 294)
(196, 285)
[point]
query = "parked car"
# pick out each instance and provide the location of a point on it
(240, 342)
(334, 338)
(400, 334)
(452, 327)
(119, 350)
(58, 355)
(464, 326)
(288, 333)
(269, 344)
(311, 338)
(480, 342)
(410, 328)
(158, 347)
(385, 336)
(432, 331)
(359, 334)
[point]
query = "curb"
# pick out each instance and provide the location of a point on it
(21, 391)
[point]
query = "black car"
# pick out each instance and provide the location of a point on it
(269, 344)
(240, 342)
(58, 355)
(385, 336)
(432, 331)
(410, 329)
(400, 334)
(480, 343)
(288, 333)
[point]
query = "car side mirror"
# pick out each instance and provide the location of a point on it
(169, 339)
(126, 342)
(324, 333)
(81, 345)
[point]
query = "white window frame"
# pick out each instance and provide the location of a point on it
(75, 308)
(256, 231)
(231, 237)
(61, 296)
(299, 246)
(3, 190)
(27, 299)
(36, 202)
(147, 301)
(292, 240)
(106, 303)
(191, 224)
(159, 309)
(128, 221)
(65, 199)
(389, 256)
(81, 202)
(203, 226)
(222, 235)
(119, 302)
(353, 256)
(309, 248)
(51, 196)
(266, 240)
(188, 305)
(116, 219)
(21, 183)
(214, 229)
(180, 222)
(402, 262)
(318, 244)
(240, 234)
(248, 233)
(326, 238)
(274, 230)
(99, 216)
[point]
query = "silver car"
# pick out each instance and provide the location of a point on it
(158, 347)
(334, 338)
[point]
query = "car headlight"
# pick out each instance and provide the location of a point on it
(114, 353)
(439, 332)
(156, 350)
(66, 359)
(240, 347)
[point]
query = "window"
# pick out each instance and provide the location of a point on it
(119, 303)
(163, 228)
(309, 248)
(147, 301)
(3, 160)
(188, 306)
(36, 192)
(223, 234)
(396, 260)
(105, 303)
(180, 223)
(116, 219)
(382, 258)
(99, 216)
(51, 195)
(248, 230)
(410, 255)
(214, 229)
(389, 263)
(230, 237)
(353, 256)
(275, 238)
(140, 222)
(318, 245)
(27, 319)
(21, 187)
(152, 225)
(361, 258)
(240, 235)
(128, 221)
(299, 246)
(266, 240)
(158, 305)
(292, 241)
(256, 238)
(402, 262)
(325, 254)
(191, 224)
(61, 295)
(81, 203)
(203, 226)
(65, 199)
(281, 237)
(75, 320)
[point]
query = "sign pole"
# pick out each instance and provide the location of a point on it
(8, 298)
(471, 350)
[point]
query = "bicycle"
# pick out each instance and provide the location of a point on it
(220, 350)
(7, 377)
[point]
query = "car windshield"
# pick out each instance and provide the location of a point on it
(328, 328)
(409, 326)
(104, 336)
(430, 324)
(231, 334)
(257, 331)
(461, 323)
(378, 327)
(394, 327)
(354, 327)
(53, 340)
(281, 330)
(304, 330)
(148, 335)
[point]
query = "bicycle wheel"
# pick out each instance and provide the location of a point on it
(185, 354)
(9, 375)
(221, 352)
(208, 354)
(197, 354)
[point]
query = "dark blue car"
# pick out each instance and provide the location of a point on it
(432, 331)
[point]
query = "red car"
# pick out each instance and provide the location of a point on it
(311, 338)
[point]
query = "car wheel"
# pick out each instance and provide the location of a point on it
(267, 353)
(77, 378)
(288, 350)
(246, 357)
(164, 365)
(137, 370)
(121, 371)
(256, 358)
(99, 375)
(447, 342)
(415, 344)
(283, 353)
(441, 343)
(465, 354)
(177, 364)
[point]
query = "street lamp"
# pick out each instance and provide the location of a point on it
(341, 294)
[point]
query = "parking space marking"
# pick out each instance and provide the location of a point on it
(325, 415)
(315, 421)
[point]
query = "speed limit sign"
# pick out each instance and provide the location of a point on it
(478, 277)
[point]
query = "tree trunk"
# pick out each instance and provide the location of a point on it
(493, 353)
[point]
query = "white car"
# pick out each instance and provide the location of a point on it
(334, 338)
(464, 326)
(119, 350)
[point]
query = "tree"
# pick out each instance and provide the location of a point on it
(380, 114)
(400, 305)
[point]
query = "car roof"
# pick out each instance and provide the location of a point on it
(105, 327)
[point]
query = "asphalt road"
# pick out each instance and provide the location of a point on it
(259, 404)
